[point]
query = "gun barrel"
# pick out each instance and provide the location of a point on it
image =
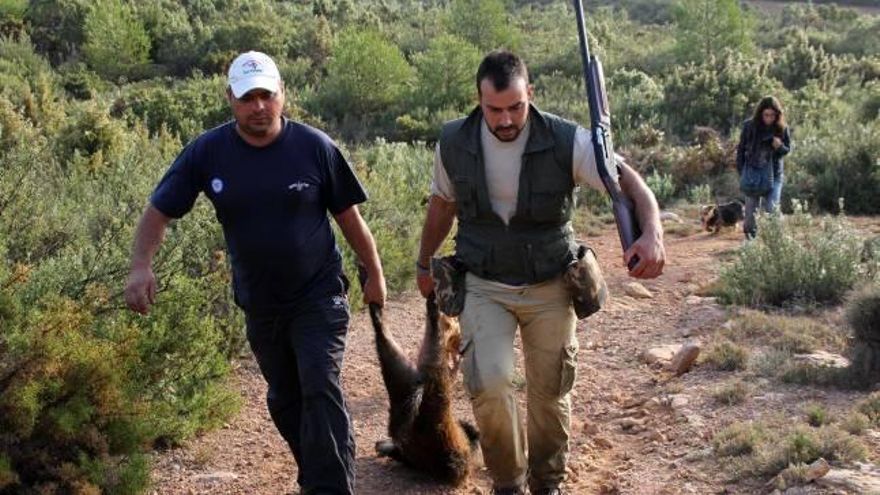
(600, 127)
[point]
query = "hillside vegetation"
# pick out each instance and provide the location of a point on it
(98, 96)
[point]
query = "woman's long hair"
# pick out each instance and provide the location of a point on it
(770, 102)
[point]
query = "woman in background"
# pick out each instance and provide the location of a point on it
(764, 140)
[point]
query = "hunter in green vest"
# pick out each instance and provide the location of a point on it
(508, 173)
(537, 243)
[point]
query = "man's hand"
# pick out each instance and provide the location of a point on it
(375, 290)
(140, 290)
(425, 282)
(651, 253)
(438, 222)
(776, 142)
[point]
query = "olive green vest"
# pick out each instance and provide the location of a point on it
(538, 244)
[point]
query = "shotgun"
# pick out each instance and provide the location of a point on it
(600, 131)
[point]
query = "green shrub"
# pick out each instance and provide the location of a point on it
(116, 42)
(397, 177)
(870, 407)
(719, 92)
(705, 29)
(794, 259)
(737, 439)
(85, 383)
(727, 356)
(637, 99)
(855, 423)
(781, 448)
(817, 415)
(700, 194)
(446, 73)
(662, 187)
(57, 27)
(366, 75)
(787, 334)
(184, 107)
(484, 23)
(863, 316)
(732, 393)
(839, 158)
(798, 62)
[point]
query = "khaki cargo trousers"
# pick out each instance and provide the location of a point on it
(492, 313)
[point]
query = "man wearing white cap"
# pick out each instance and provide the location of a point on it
(272, 182)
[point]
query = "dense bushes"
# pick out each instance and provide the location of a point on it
(795, 259)
(863, 316)
(85, 385)
(397, 177)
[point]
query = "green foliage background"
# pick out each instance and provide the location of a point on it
(96, 99)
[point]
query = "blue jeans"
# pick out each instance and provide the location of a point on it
(300, 357)
(769, 202)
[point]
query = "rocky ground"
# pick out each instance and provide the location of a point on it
(638, 428)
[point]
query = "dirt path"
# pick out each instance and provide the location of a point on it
(248, 456)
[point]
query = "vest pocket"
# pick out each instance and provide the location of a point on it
(550, 205)
(465, 196)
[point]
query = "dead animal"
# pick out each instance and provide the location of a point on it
(715, 217)
(424, 434)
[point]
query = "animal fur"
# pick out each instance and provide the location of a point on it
(424, 434)
(715, 217)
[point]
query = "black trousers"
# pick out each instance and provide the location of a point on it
(300, 357)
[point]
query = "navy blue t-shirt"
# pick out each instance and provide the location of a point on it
(272, 203)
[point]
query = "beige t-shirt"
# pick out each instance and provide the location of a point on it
(503, 161)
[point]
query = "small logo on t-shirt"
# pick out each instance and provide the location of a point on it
(299, 186)
(338, 301)
(217, 185)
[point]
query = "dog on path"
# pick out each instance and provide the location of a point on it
(718, 216)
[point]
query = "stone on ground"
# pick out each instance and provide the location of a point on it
(663, 353)
(637, 290)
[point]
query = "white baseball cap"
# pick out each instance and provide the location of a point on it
(253, 70)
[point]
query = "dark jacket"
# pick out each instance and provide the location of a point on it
(756, 146)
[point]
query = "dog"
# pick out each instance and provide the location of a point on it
(424, 434)
(717, 216)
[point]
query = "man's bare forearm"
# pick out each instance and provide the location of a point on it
(148, 238)
(361, 240)
(438, 223)
(647, 209)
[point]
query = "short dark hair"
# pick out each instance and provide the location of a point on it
(501, 67)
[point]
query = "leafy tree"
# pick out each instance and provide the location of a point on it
(635, 101)
(185, 108)
(116, 41)
(56, 27)
(719, 93)
(366, 75)
(708, 27)
(175, 42)
(485, 23)
(798, 62)
(446, 73)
